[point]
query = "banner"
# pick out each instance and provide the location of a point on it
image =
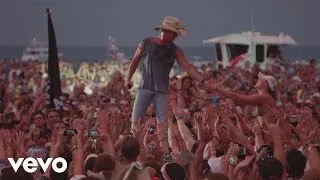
(54, 84)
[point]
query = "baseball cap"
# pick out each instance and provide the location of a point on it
(173, 171)
(89, 161)
(272, 82)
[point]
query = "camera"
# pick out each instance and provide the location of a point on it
(242, 151)
(94, 143)
(265, 151)
(70, 132)
(93, 134)
(233, 160)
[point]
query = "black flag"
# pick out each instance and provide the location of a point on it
(54, 84)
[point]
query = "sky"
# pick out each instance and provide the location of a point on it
(90, 22)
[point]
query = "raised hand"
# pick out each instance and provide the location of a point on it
(7, 137)
(198, 118)
(302, 130)
(88, 112)
(204, 118)
(128, 84)
(54, 137)
(214, 143)
(103, 120)
(79, 136)
(233, 138)
(105, 137)
(207, 86)
(204, 114)
(161, 133)
(19, 141)
(59, 137)
(256, 129)
(274, 127)
(234, 149)
(87, 145)
(179, 112)
(177, 158)
(179, 85)
(24, 119)
(246, 162)
(2, 146)
(148, 138)
(206, 135)
(137, 128)
(225, 116)
(103, 145)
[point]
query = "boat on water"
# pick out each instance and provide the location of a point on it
(113, 53)
(248, 49)
(37, 51)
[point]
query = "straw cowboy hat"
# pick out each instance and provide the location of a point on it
(172, 24)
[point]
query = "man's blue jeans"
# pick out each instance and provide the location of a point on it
(144, 98)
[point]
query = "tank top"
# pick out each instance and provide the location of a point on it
(155, 65)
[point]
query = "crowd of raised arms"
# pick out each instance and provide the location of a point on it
(238, 127)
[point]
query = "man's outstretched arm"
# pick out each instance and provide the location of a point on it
(135, 61)
(186, 66)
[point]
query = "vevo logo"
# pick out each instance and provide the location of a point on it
(30, 165)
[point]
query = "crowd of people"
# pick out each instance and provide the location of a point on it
(210, 133)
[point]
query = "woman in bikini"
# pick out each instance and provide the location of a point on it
(264, 100)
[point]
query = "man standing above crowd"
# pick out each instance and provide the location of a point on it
(157, 56)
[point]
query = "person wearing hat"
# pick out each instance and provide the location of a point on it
(173, 171)
(265, 99)
(157, 56)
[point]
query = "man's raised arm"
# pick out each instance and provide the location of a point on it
(186, 66)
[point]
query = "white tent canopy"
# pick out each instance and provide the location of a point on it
(252, 37)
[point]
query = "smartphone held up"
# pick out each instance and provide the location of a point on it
(70, 132)
(93, 135)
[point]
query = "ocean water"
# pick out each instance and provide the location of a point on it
(78, 54)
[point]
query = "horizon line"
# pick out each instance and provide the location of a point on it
(131, 46)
